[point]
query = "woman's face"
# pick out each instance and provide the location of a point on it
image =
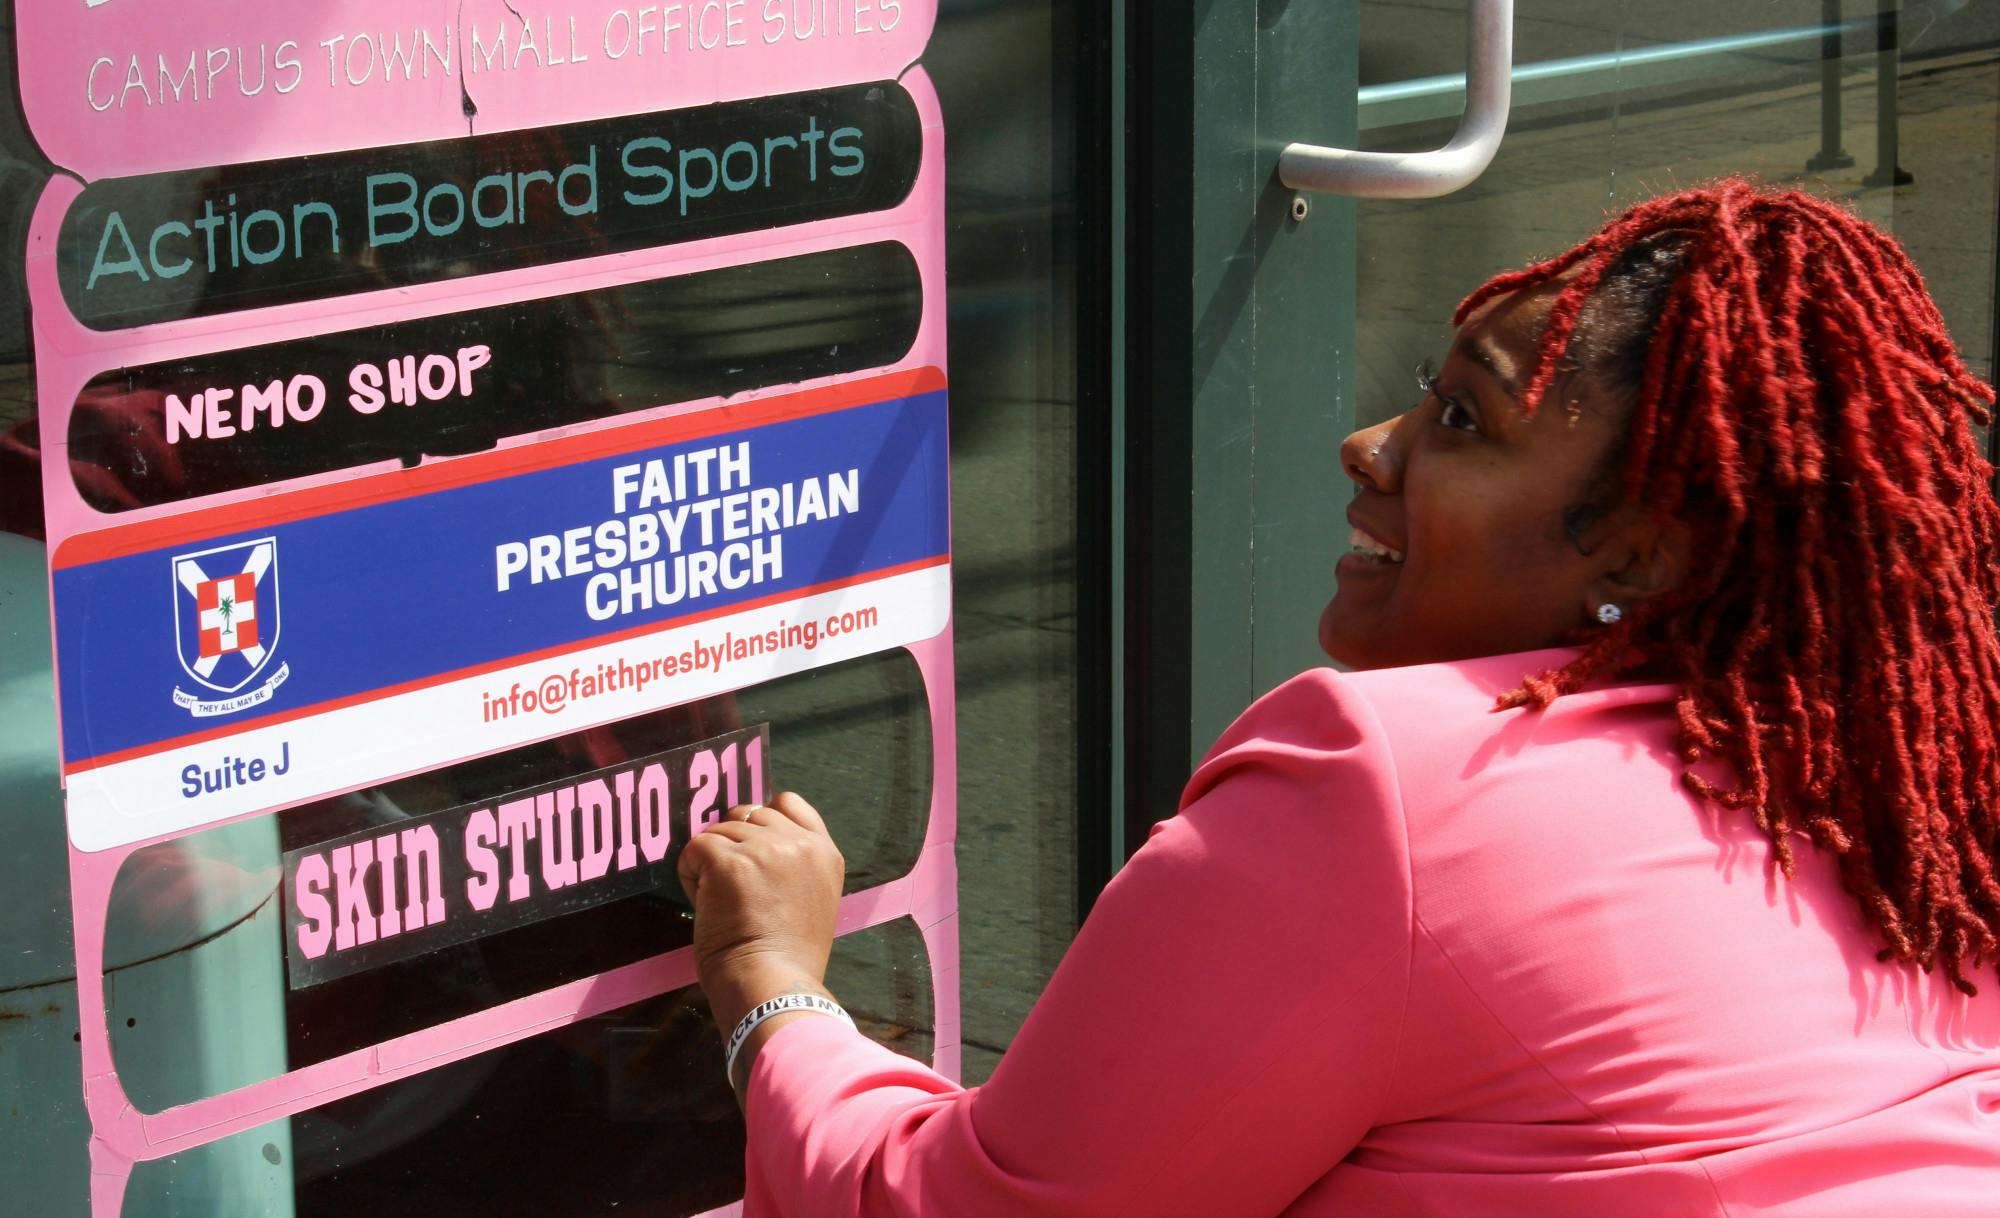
(1468, 497)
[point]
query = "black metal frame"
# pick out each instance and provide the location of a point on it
(1159, 428)
(1097, 516)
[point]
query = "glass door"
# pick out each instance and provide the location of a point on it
(1266, 324)
(1888, 106)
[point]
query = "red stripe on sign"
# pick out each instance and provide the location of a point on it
(480, 670)
(388, 487)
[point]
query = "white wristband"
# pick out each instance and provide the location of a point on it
(764, 1010)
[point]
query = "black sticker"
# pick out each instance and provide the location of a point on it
(459, 382)
(165, 246)
(390, 893)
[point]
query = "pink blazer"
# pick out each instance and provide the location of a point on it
(1400, 955)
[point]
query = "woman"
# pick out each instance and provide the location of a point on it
(1645, 868)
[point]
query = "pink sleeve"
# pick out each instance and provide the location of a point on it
(1219, 1036)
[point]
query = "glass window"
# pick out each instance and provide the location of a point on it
(196, 971)
(1013, 77)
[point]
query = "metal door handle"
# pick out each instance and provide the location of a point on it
(1426, 175)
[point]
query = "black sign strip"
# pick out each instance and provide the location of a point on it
(459, 382)
(409, 887)
(165, 246)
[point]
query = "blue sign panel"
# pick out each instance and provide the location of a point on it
(537, 554)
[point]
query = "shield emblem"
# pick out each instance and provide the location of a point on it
(226, 612)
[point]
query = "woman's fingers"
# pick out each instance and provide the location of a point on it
(790, 805)
(741, 825)
(754, 814)
(772, 838)
(693, 861)
(698, 854)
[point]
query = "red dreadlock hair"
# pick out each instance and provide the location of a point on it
(1802, 410)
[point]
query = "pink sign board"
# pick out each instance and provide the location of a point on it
(121, 87)
(473, 309)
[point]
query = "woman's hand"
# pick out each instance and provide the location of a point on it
(765, 884)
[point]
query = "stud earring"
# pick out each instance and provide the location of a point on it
(1610, 614)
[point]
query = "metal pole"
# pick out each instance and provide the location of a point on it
(1888, 65)
(1830, 155)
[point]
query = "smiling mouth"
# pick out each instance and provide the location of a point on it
(1365, 545)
